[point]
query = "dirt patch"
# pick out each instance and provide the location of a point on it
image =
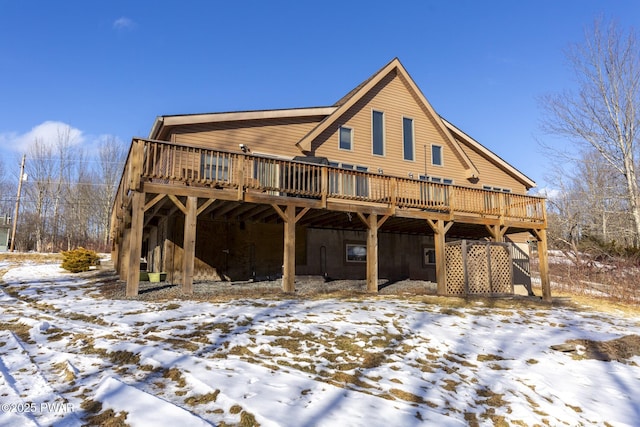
(620, 349)
(305, 286)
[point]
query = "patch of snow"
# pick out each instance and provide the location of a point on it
(300, 362)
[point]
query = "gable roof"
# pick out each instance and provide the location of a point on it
(346, 102)
(163, 122)
(329, 114)
(490, 155)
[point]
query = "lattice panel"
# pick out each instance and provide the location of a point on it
(501, 270)
(454, 269)
(478, 269)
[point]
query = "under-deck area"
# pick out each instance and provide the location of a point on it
(168, 185)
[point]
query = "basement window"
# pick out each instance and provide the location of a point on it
(355, 252)
(428, 256)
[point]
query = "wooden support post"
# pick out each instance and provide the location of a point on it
(189, 245)
(440, 230)
(544, 264)
(123, 262)
(372, 253)
(497, 232)
(135, 243)
(289, 256)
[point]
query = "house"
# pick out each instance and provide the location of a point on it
(5, 232)
(377, 185)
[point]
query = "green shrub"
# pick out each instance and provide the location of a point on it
(79, 259)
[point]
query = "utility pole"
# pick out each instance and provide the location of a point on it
(15, 212)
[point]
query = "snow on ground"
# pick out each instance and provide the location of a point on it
(69, 357)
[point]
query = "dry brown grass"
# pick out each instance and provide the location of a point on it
(96, 417)
(65, 372)
(175, 375)
(202, 398)
(21, 330)
(30, 256)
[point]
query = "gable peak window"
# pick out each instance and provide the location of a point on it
(377, 132)
(345, 135)
(436, 155)
(407, 138)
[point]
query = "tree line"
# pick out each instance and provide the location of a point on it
(67, 193)
(595, 206)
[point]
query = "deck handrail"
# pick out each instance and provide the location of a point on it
(167, 162)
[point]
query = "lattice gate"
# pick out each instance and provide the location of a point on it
(478, 268)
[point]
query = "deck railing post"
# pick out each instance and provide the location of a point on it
(324, 184)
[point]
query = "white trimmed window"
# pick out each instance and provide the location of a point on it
(436, 155)
(377, 132)
(407, 138)
(346, 138)
(498, 189)
(436, 179)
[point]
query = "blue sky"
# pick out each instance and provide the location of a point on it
(110, 67)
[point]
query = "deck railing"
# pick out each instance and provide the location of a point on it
(165, 162)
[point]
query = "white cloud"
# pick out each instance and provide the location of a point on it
(550, 193)
(124, 23)
(49, 132)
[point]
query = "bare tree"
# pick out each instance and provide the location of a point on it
(4, 189)
(604, 113)
(40, 170)
(112, 155)
(64, 175)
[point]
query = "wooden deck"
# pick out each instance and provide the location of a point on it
(194, 178)
(186, 170)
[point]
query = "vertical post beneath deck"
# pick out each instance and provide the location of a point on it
(135, 243)
(123, 262)
(372, 253)
(439, 243)
(289, 256)
(497, 232)
(544, 265)
(439, 232)
(189, 244)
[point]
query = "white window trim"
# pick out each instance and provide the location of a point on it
(434, 179)
(496, 188)
(384, 134)
(441, 155)
(425, 250)
(413, 139)
(352, 138)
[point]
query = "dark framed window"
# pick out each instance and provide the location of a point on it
(355, 252)
(407, 138)
(377, 132)
(436, 155)
(346, 138)
(428, 256)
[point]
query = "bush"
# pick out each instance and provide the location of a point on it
(79, 259)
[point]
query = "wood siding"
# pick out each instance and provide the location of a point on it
(393, 97)
(269, 136)
(491, 174)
